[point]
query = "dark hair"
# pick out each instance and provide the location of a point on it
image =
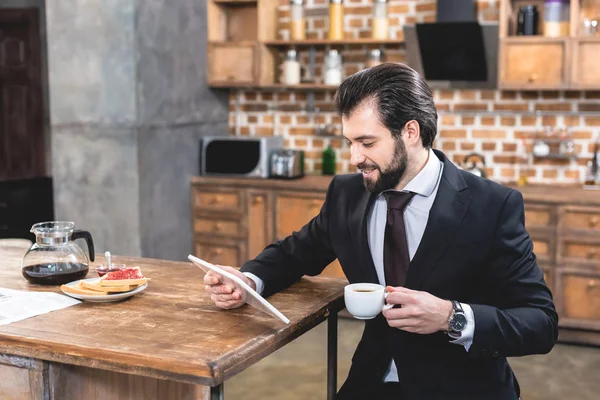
(400, 94)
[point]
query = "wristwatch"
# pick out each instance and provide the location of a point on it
(458, 320)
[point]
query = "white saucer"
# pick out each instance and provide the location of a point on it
(103, 298)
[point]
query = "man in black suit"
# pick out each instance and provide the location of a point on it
(450, 246)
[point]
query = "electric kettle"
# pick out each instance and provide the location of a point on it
(474, 168)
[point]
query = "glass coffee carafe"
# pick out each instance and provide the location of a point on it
(55, 258)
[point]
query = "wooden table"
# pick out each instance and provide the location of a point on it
(169, 341)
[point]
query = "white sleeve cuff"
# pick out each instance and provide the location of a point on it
(260, 285)
(465, 337)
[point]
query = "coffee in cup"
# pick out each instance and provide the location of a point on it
(365, 300)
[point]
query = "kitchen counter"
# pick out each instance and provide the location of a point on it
(169, 341)
(552, 194)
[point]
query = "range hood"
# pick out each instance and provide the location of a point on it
(456, 51)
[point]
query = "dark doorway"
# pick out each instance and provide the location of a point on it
(25, 187)
(22, 142)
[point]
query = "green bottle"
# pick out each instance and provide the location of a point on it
(328, 161)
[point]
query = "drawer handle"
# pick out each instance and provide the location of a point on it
(591, 253)
(258, 200)
(533, 78)
(591, 284)
(3, 205)
(216, 199)
(315, 204)
(594, 222)
(217, 252)
(217, 227)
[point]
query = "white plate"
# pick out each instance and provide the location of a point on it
(104, 298)
(254, 299)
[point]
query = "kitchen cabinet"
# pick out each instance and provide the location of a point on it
(234, 219)
(237, 29)
(541, 62)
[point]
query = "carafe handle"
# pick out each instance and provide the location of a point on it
(77, 234)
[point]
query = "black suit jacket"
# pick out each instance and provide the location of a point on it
(475, 249)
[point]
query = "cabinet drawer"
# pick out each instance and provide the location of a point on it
(538, 216)
(581, 218)
(217, 200)
(218, 227)
(543, 247)
(229, 254)
(580, 297)
(528, 64)
(580, 250)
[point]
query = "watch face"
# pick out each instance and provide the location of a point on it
(458, 323)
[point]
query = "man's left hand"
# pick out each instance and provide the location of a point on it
(421, 312)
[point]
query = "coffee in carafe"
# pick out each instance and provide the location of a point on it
(54, 258)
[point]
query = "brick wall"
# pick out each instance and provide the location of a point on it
(502, 125)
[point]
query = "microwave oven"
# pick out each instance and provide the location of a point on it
(237, 156)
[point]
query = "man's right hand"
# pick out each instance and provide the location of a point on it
(224, 292)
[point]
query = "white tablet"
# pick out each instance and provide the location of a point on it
(252, 297)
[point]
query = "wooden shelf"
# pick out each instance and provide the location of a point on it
(274, 86)
(234, 2)
(534, 39)
(327, 42)
(301, 86)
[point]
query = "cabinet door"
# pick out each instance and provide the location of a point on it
(260, 223)
(578, 298)
(533, 63)
(231, 64)
(293, 211)
(586, 67)
(23, 378)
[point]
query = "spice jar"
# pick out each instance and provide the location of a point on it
(297, 15)
(336, 19)
(556, 18)
(334, 69)
(380, 20)
(291, 68)
(374, 57)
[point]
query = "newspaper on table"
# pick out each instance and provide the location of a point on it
(16, 305)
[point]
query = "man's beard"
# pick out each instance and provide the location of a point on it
(389, 178)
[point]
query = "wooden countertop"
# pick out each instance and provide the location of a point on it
(552, 194)
(170, 331)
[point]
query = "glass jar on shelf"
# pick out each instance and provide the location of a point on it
(334, 69)
(380, 28)
(297, 26)
(556, 18)
(374, 57)
(336, 20)
(291, 68)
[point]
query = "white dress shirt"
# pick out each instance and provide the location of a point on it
(425, 184)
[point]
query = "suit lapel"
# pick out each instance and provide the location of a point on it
(446, 215)
(358, 231)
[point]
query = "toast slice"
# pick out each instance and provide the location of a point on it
(125, 277)
(98, 288)
(78, 289)
(106, 284)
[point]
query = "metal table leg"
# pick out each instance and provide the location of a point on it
(216, 392)
(332, 331)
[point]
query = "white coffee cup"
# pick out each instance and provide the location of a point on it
(365, 300)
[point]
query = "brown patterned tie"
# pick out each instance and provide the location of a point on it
(395, 247)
